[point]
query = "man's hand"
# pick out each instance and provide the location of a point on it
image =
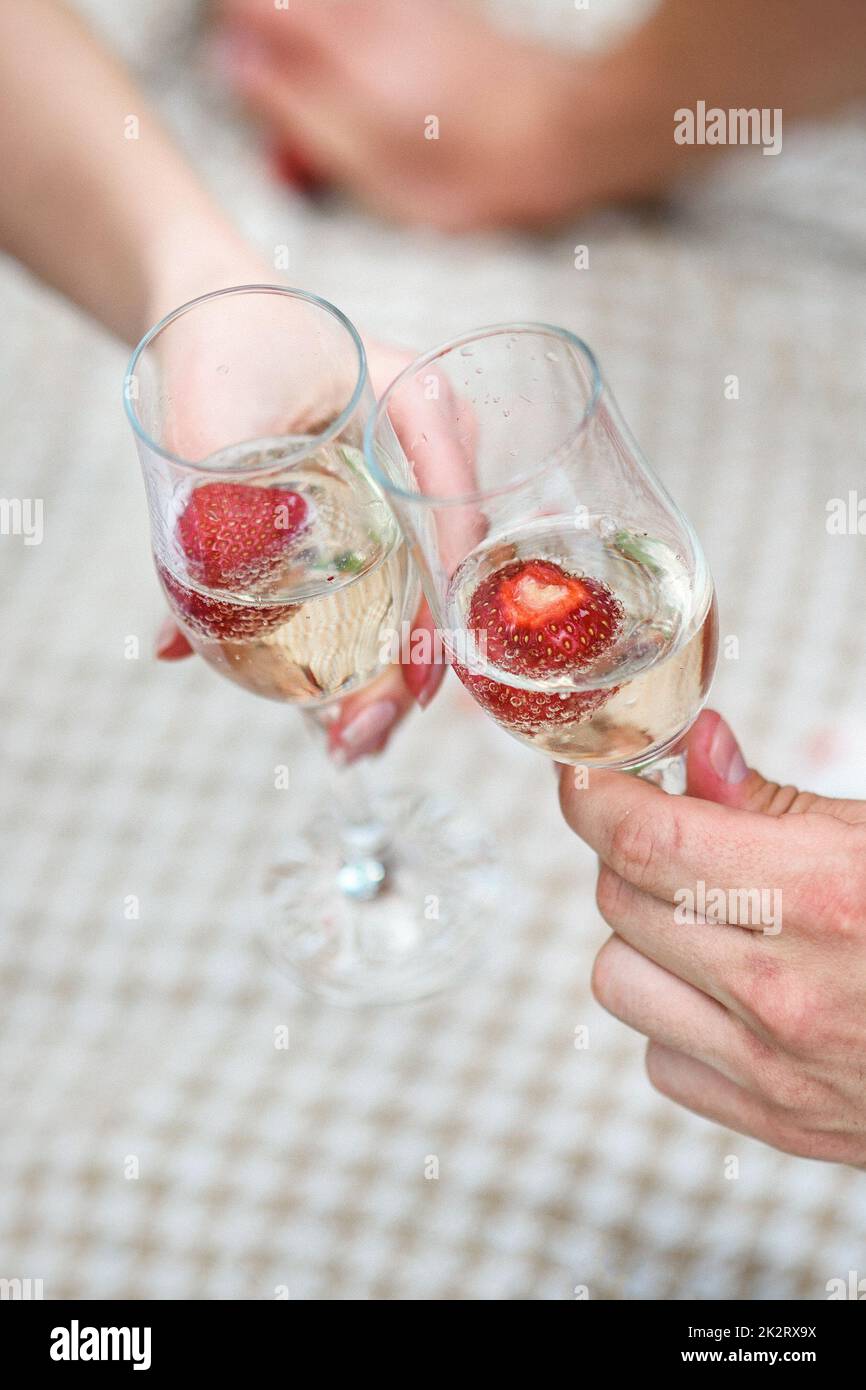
(739, 945)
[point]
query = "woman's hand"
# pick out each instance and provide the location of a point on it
(81, 150)
(739, 945)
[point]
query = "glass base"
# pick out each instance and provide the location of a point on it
(395, 920)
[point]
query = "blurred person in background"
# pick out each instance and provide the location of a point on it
(527, 134)
(124, 228)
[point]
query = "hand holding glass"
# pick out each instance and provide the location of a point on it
(285, 568)
(572, 592)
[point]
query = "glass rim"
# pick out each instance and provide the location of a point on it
(153, 333)
(380, 412)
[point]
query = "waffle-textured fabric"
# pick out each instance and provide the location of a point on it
(155, 1141)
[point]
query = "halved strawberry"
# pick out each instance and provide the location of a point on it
(538, 620)
(232, 533)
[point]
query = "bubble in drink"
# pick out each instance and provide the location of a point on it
(288, 587)
(597, 648)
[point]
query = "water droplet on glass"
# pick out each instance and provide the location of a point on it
(607, 528)
(551, 357)
(467, 352)
(223, 369)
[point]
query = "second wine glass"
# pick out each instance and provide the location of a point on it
(571, 590)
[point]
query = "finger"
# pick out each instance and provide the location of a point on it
(307, 103)
(333, 36)
(423, 666)
(666, 1009)
(422, 676)
(713, 958)
(317, 26)
(717, 772)
(365, 721)
(385, 361)
(171, 645)
(437, 431)
(668, 846)
(701, 1088)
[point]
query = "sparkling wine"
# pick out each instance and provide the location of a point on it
(309, 626)
(634, 699)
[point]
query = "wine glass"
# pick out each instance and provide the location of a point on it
(571, 591)
(284, 566)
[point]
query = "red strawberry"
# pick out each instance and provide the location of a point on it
(231, 533)
(527, 710)
(221, 619)
(538, 620)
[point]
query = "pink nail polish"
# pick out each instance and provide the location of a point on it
(364, 732)
(726, 760)
(428, 688)
(166, 637)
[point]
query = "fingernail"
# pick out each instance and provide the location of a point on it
(726, 760)
(432, 680)
(416, 677)
(169, 641)
(363, 733)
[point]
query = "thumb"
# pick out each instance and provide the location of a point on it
(717, 771)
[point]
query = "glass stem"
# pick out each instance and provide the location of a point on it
(668, 772)
(362, 835)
